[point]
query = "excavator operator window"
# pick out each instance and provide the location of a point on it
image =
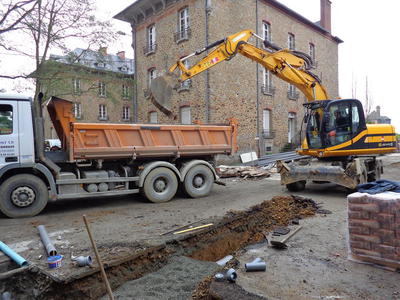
(342, 122)
(314, 130)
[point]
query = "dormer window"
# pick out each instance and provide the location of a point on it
(101, 64)
(124, 69)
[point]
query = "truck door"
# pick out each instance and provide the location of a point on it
(9, 145)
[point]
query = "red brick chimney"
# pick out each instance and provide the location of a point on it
(326, 14)
(121, 54)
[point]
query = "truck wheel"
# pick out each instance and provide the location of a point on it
(296, 186)
(160, 185)
(198, 181)
(23, 195)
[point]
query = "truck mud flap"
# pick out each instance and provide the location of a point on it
(297, 171)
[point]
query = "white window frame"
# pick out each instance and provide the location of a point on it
(103, 112)
(102, 89)
(291, 42)
(186, 115)
(126, 113)
(291, 126)
(267, 121)
(183, 22)
(153, 117)
(151, 38)
(76, 85)
(77, 110)
(267, 31)
(267, 79)
(125, 91)
(151, 74)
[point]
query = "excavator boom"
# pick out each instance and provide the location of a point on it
(290, 66)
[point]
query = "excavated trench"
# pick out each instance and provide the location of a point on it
(233, 232)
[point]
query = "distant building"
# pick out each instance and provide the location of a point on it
(376, 118)
(99, 84)
(269, 110)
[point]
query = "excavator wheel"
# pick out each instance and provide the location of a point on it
(296, 186)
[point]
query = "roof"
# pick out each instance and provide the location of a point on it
(141, 9)
(96, 60)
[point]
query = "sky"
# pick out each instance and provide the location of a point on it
(368, 29)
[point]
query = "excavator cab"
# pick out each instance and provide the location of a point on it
(330, 123)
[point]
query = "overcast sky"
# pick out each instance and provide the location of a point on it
(368, 28)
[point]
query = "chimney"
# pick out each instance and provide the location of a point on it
(326, 14)
(378, 111)
(121, 54)
(103, 51)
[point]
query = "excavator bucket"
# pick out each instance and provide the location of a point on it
(161, 89)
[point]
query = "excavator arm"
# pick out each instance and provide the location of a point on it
(290, 66)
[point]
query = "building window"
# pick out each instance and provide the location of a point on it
(77, 110)
(184, 31)
(126, 113)
(267, 31)
(311, 52)
(267, 133)
(151, 74)
(267, 87)
(76, 85)
(185, 85)
(102, 89)
(291, 127)
(293, 94)
(153, 117)
(103, 112)
(291, 42)
(151, 40)
(125, 91)
(186, 117)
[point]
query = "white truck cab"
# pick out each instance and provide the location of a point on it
(16, 131)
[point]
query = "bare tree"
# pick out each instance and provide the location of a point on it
(13, 13)
(368, 103)
(51, 24)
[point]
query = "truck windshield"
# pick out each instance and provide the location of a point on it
(6, 121)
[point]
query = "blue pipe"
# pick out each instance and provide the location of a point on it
(13, 255)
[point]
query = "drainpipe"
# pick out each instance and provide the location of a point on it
(207, 9)
(135, 86)
(257, 92)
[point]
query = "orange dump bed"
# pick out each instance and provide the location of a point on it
(100, 140)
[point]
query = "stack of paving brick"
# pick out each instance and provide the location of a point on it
(374, 228)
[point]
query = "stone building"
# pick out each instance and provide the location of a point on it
(375, 117)
(269, 110)
(99, 84)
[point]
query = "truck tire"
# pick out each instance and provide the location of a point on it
(198, 181)
(160, 185)
(296, 186)
(23, 195)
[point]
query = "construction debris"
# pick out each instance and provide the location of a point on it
(242, 171)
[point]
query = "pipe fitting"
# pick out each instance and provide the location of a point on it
(256, 265)
(231, 275)
(83, 261)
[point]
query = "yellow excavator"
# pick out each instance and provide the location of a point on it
(339, 145)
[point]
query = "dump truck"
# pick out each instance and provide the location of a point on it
(99, 159)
